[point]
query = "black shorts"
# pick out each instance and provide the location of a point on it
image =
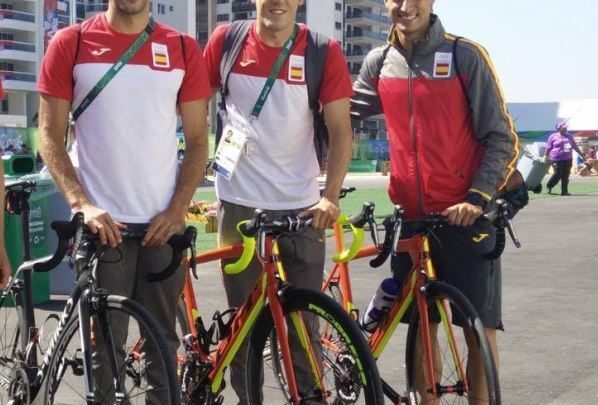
(458, 257)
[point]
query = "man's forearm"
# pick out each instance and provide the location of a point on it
(190, 175)
(62, 170)
(339, 157)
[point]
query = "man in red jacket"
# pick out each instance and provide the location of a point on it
(452, 144)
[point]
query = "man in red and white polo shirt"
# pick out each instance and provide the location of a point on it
(122, 171)
(277, 169)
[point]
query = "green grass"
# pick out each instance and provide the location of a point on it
(352, 205)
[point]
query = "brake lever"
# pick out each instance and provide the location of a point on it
(192, 262)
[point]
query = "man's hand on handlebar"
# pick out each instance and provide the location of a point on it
(100, 222)
(324, 213)
(163, 226)
(463, 214)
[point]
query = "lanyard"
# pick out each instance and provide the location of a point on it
(109, 75)
(286, 50)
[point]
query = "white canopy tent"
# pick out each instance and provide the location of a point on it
(580, 115)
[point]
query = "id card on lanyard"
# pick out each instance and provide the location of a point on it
(236, 132)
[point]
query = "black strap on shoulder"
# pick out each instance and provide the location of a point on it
(233, 43)
(79, 29)
(458, 72)
(315, 61)
(183, 50)
(315, 56)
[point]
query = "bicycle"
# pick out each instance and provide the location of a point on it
(69, 372)
(340, 367)
(424, 291)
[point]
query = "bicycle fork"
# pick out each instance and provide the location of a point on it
(91, 304)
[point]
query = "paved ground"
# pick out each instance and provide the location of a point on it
(549, 350)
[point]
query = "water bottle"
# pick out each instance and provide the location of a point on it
(380, 303)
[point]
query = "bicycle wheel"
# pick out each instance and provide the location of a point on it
(457, 353)
(13, 342)
(144, 369)
(348, 369)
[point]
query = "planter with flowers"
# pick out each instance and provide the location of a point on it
(202, 215)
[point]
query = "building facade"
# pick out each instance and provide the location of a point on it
(325, 16)
(366, 27)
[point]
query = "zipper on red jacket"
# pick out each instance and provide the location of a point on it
(420, 193)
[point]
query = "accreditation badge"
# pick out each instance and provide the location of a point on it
(231, 145)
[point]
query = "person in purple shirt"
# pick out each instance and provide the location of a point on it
(559, 151)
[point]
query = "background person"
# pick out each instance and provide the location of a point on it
(559, 152)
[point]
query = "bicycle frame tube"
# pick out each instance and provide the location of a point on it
(267, 287)
(240, 327)
(64, 318)
(340, 272)
(23, 301)
(423, 271)
(188, 294)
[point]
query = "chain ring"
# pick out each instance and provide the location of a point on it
(348, 390)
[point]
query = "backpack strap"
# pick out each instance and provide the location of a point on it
(315, 56)
(234, 40)
(79, 29)
(233, 43)
(315, 61)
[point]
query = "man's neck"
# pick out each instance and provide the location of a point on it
(273, 38)
(406, 41)
(125, 23)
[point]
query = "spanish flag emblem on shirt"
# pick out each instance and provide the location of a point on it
(160, 55)
(442, 64)
(296, 68)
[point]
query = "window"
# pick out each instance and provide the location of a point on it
(161, 9)
(6, 37)
(338, 26)
(338, 6)
(171, 8)
(222, 1)
(5, 105)
(222, 17)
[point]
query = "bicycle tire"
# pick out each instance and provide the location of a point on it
(13, 346)
(349, 353)
(472, 325)
(134, 364)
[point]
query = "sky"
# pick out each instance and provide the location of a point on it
(543, 50)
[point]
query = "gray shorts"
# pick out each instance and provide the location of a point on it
(459, 261)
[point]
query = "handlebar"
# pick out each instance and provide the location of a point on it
(342, 192)
(356, 223)
(257, 228)
(77, 230)
(501, 218)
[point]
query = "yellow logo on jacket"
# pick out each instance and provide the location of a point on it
(480, 237)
